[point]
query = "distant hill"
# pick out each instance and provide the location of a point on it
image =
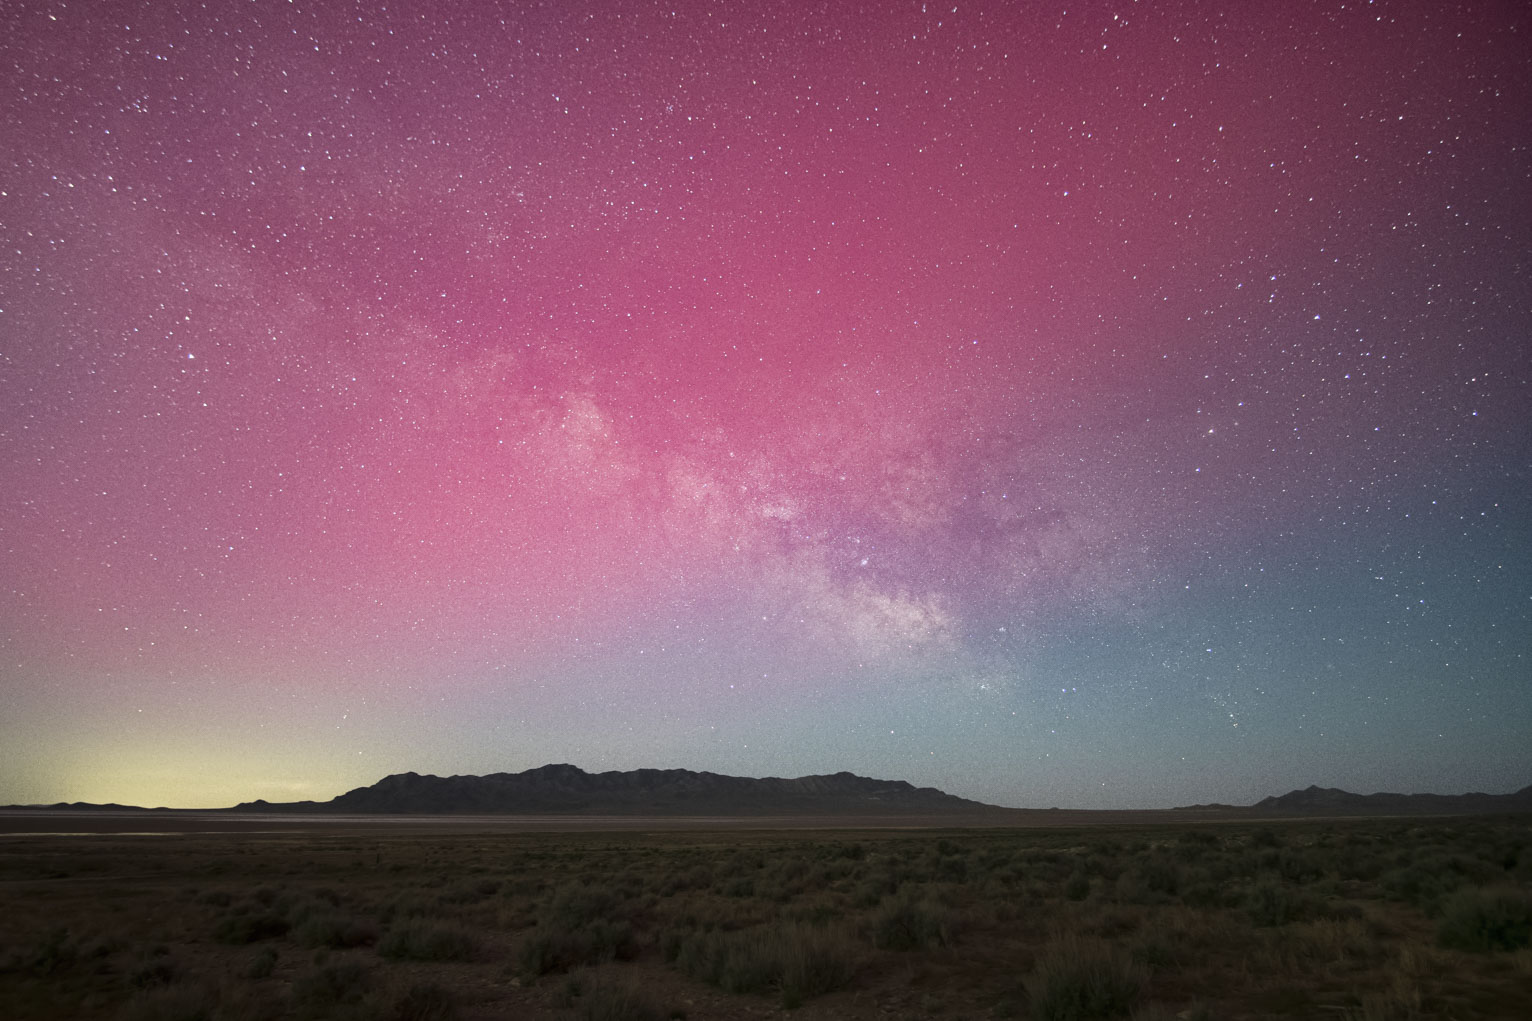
(86, 806)
(568, 790)
(1316, 800)
(564, 789)
(1331, 801)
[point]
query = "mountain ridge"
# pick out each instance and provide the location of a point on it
(564, 789)
(1316, 800)
(560, 789)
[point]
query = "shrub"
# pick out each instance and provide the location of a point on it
(740, 886)
(871, 890)
(561, 947)
(1158, 948)
(54, 954)
(1298, 866)
(1078, 886)
(671, 941)
(1205, 895)
(908, 924)
(158, 970)
(1331, 939)
(262, 964)
(1270, 903)
(334, 932)
(1265, 838)
(577, 904)
(952, 870)
(404, 907)
(611, 1001)
(796, 960)
(250, 928)
(1077, 979)
(1360, 864)
(814, 963)
(318, 992)
(1484, 920)
(470, 891)
(328, 895)
(421, 941)
(1161, 875)
(424, 1001)
(1102, 863)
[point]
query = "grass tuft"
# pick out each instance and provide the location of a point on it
(335, 932)
(555, 949)
(319, 992)
(609, 1000)
(425, 941)
(1080, 979)
(1486, 920)
(250, 928)
(424, 1001)
(795, 960)
(262, 964)
(906, 924)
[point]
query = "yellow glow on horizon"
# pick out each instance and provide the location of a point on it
(195, 776)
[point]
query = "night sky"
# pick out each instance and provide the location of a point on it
(1125, 406)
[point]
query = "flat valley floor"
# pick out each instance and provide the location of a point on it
(650, 919)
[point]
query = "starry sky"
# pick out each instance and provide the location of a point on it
(1095, 405)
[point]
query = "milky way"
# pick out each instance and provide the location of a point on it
(1125, 405)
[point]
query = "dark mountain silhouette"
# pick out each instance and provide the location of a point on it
(87, 806)
(569, 790)
(1316, 800)
(565, 789)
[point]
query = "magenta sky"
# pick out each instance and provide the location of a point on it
(1123, 406)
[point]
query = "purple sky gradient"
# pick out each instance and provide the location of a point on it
(1114, 408)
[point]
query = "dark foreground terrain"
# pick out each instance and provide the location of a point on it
(1363, 919)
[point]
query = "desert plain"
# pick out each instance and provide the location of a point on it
(1049, 915)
